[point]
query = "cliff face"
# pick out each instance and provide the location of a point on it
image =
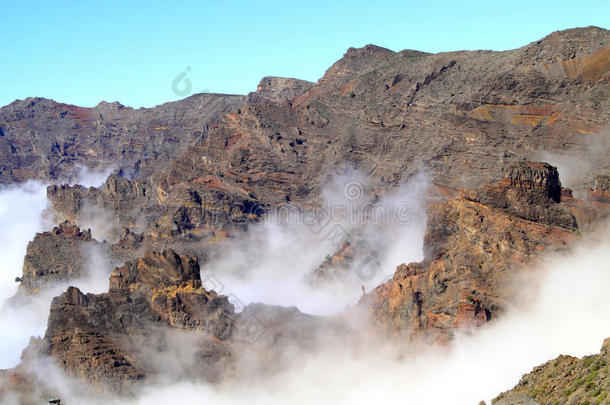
(55, 256)
(157, 322)
(473, 245)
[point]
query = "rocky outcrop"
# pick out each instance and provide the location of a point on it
(105, 338)
(174, 292)
(564, 380)
(56, 256)
(68, 253)
(212, 164)
(471, 249)
(336, 266)
(157, 208)
(121, 200)
(157, 322)
(531, 191)
(538, 176)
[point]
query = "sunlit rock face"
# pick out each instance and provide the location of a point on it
(107, 338)
(473, 245)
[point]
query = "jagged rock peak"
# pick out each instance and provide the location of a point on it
(56, 256)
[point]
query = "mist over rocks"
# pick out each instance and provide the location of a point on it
(449, 143)
(115, 342)
(473, 245)
(388, 114)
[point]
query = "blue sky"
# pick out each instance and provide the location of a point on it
(81, 52)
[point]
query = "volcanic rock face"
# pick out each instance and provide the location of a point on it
(536, 176)
(278, 89)
(104, 338)
(55, 256)
(68, 253)
(530, 191)
(42, 139)
(472, 247)
(157, 209)
(157, 321)
(177, 296)
(464, 117)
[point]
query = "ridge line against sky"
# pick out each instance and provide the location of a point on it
(82, 53)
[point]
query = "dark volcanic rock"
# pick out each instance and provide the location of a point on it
(531, 191)
(155, 312)
(43, 139)
(106, 338)
(56, 256)
(538, 176)
(68, 253)
(177, 295)
(278, 89)
(209, 164)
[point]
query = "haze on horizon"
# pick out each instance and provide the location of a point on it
(132, 52)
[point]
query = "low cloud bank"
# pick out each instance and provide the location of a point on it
(273, 262)
(575, 166)
(563, 308)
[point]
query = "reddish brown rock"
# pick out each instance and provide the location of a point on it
(531, 191)
(43, 139)
(471, 250)
(104, 338)
(462, 116)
